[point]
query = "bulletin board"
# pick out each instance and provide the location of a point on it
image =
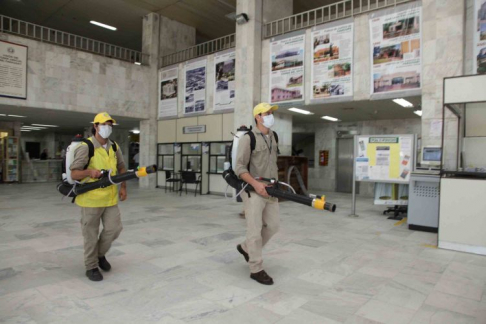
(384, 158)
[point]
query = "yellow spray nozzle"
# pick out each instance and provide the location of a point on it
(319, 203)
(142, 172)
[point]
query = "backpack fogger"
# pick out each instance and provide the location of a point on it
(71, 188)
(275, 189)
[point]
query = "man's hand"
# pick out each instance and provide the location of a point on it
(260, 189)
(95, 174)
(123, 193)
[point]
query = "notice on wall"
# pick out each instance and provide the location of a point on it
(287, 69)
(13, 70)
(396, 49)
(332, 61)
(225, 84)
(195, 92)
(479, 37)
(168, 92)
(384, 158)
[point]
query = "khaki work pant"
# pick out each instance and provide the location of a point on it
(262, 221)
(95, 244)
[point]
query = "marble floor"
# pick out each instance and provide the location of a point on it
(176, 262)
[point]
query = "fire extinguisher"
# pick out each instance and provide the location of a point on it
(323, 157)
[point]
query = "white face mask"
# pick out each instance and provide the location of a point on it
(268, 121)
(104, 131)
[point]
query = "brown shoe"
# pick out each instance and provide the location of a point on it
(245, 255)
(262, 277)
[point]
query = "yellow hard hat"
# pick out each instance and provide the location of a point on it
(103, 117)
(263, 108)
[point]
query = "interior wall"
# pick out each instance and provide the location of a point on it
(323, 178)
(14, 126)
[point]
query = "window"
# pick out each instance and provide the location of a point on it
(165, 157)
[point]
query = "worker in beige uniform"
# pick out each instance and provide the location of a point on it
(99, 205)
(261, 211)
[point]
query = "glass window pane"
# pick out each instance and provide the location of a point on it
(169, 162)
(194, 163)
(160, 163)
(191, 149)
(166, 148)
(219, 148)
(212, 164)
(220, 166)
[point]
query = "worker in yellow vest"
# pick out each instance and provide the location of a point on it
(90, 157)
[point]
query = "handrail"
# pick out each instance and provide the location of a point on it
(215, 45)
(44, 34)
(328, 13)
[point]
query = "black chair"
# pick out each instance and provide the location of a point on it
(189, 177)
(169, 178)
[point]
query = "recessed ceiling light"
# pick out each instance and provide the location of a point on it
(418, 112)
(330, 118)
(138, 63)
(102, 25)
(45, 125)
(402, 102)
(3, 115)
(33, 128)
(135, 131)
(301, 111)
(16, 116)
(25, 130)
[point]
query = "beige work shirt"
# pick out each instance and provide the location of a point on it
(81, 155)
(263, 161)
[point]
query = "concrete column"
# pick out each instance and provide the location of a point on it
(148, 127)
(443, 37)
(249, 53)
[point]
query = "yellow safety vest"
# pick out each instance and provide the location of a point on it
(103, 197)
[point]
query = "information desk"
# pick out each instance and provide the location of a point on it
(462, 214)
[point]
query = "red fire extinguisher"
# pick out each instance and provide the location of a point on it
(323, 157)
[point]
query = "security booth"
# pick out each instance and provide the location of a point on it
(463, 168)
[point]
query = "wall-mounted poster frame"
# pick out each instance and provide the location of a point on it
(225, 82)
(479, 37)
(13, 67)
(168, 87)
(195, 86)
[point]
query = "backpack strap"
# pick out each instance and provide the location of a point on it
(114, 146)
(252, 140)
(276, 140)
(90, 150)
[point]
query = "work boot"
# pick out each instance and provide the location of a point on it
(104, 264)
(245, 255)
(262, 277)
(94, 274)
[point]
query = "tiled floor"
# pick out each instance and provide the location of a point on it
(176, 262)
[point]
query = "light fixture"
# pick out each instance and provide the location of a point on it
(25, 130)
(330, 118)
(33, 128)
(102, 25)
(3, 115)
(241, 18)
(45, 125)
(301, 111)
(402, 102)
(16, 116)
(138, 63)
(135, 131)
(418, 112)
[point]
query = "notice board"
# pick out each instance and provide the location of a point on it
(384, 158)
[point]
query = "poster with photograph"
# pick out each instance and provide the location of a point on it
(195, 92)
(332, 60)
(287, 69)
(479, 40)
(396, 50)
(13, 65)
(168, 92)
(225, 84)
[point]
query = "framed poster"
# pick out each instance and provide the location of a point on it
(225, 84)
(479, 37)
(195, 89)
(287, 68)
(168, 85)
(13, 70)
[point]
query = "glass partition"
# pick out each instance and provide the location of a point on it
(165, 157)
(191, 157)
(217, 156)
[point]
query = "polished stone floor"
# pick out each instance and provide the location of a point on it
(176, 262)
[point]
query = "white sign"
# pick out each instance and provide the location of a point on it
(13, 70)
(194, 129)
(396, 50)
(195, 91)
(168, 92)
(225, 84)
(479, 37)
(332, 58)
(287, 69)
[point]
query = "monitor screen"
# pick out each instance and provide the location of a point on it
(431, 154)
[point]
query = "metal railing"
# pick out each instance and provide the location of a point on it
(202, 49)
(45, 34)
(335, 11)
